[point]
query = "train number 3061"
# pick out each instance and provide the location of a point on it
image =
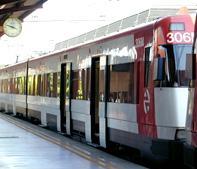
(179, 37)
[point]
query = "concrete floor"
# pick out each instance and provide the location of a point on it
(20, 149)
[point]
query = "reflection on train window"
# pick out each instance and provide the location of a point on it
(175, 69)
(147, 66)
(54, 85)
(58, 84)
(43, 85)
(30, 85)
(15, 86)
(9, 85)
(5, 85)
(101, 85)
(122, 83)
(35, 85)
(81, 84)
(39, 85)
(49, 84)
(22, 85)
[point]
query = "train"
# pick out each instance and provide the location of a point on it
(125, 84)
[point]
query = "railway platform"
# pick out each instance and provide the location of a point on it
(27, 146)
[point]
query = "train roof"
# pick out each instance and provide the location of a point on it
(17, 8)
(124, 24)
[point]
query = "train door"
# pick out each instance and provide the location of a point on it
(65, 98)
(98, 100)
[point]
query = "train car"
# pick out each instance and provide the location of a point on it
(13, 84)
(190, 146)
(127, 88)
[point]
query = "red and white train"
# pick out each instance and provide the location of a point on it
(128, 87)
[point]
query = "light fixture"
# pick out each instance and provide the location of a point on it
(2, 6)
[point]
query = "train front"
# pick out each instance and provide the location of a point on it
(173, 74)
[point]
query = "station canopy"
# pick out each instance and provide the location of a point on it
(17, 8)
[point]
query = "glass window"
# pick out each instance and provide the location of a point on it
(44, 84)
(122, 83)
(39, 85)
(54, 85)
(67, 80)
(30, 85)
(81, 84)
(11, 86)
(6, 85)
(147, 67)
(177, 27)
(177, 66)
(58, 84)
(21, 85)
(101, 85)
(35, 85)
(49, 85)
(16, 86)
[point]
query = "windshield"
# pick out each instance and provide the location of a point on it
(176, 68)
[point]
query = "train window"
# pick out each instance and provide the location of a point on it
(54, 85)
(2, 85)
(177, 27)
(183, 64)
(39, 85)
(49, 85)
(147, 63)
(11, 85)
(35, 85)
(44, 84)
(58, 84)
(5, 84)
(101, 85)
(6, 87)
(16, 86)
(81, 84)
(159, 68)
(122, 83)
(30, 85)
(177, 66)
(19, 85)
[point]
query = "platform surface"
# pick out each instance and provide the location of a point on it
(20, 149)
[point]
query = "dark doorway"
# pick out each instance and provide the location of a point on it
(65, 97)
(95, 69)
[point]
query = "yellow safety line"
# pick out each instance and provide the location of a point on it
(64, 145)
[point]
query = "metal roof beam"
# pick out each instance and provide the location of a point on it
(3, 2)
(21, 8)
